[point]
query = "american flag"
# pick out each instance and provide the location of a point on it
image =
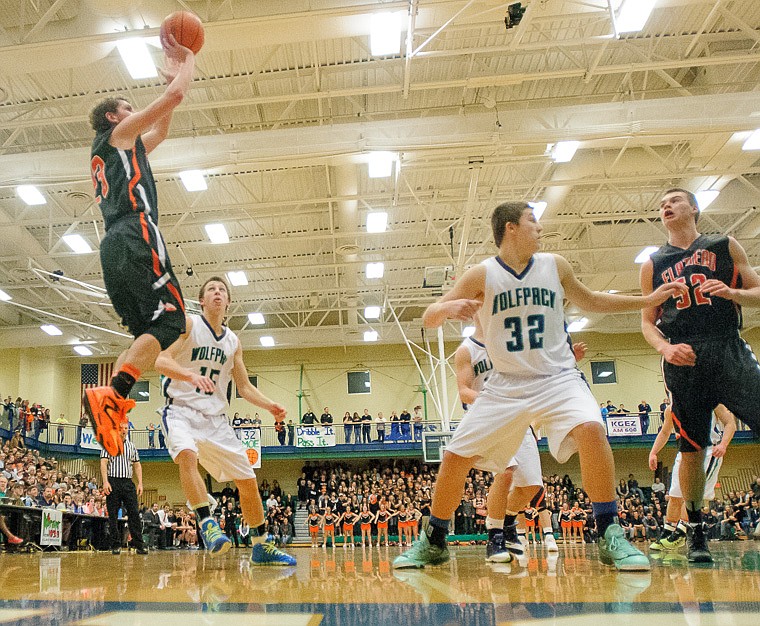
(95, 375)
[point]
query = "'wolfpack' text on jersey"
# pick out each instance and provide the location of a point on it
(695, 314)
(524, 320)
(481, 364)
(208, 355)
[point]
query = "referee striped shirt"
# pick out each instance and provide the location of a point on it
(121, 466)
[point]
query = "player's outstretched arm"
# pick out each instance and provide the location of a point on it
(465, 375)
(749, 294)
(166, 363)
(180, 66)
(681, 354)
(728, 420)
(462, 302)
(600, 302)
(661, 439)
(250, 393)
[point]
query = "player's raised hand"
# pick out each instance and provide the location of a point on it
(204, 383)
(714, 287)
(463, 309)
(668, 290)
(681, 354)
(174, 54)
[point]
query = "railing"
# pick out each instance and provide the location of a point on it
(351, 435)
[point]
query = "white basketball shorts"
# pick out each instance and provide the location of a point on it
(211, 437)
(527, 463)
(712, 467)
(496, 423)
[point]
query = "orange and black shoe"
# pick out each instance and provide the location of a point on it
(107, 410)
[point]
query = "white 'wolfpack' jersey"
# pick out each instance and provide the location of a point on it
(523, 319)
(481, 364)
(209, 355)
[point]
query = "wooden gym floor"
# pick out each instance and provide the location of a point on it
(355, 586)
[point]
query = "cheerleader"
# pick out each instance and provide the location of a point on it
(365, 523)
(531, 524)
(578, 516)
(314, 521)
(565, 523)
(328, 527)
(381, 519)
(348, 519)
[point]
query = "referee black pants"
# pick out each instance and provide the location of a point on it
(124, 494)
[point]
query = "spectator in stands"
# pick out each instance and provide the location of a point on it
(611, 408)
(395, 423)
(45, 500)
(356, 420)
(664, 405)
(622, 490)
(644, 411)
(326, 419)
(651, 526)
(256, 421)
(291, 432)
(633, 486)
(83, 423)
(380, 426)
(603, 410)
(658, 489)
(309, 418)
(168, 522)
(279, 428)
(348, 427)
(417, 423)
(61, 430)
(152, 527)
(151, 435)
(406, 431)
(161, 439)
(237, 423)
(366, 427)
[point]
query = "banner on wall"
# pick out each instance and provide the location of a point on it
(251, 440)
(52, 525)
(623, 426)
(88, 440)
(315, 436)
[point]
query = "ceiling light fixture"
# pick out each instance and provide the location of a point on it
(370, 335)
(193, 180)
(577, 325)
(375, 270)
(372, 312)
(538, 208)
(564, 151)
(237, 279)
(217, 233)
(267, 342)
(385, 34)
(381, 164)
(256, 318)
(82, 350)
(377, 222)
(51, 330)
(645, 254)
(706, 197)
(5, 296)
(633, 15)
(77, 243)
(752, 142)
(30, 194)
(136, 56)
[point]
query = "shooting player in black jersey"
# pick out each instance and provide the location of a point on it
(705, 361)
(136, 268)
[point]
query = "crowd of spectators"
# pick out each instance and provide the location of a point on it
(643, 410)
(30, 419)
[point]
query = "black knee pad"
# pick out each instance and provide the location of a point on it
(167, 328)
(539, 500)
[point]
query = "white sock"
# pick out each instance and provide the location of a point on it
(549, 531)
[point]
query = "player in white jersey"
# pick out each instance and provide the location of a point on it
(196, 370)
(518, 296)
(676, 524)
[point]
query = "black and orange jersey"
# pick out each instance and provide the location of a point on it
(695, 314)
(314, 521)
(530, 514)
(565, 516)
(123, 180)
(349, 518)
(365, 518)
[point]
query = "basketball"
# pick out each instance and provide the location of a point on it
(186, 28)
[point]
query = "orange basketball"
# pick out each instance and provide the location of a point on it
(186, 28)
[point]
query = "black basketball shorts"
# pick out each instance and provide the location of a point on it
(726, 372)
(139, 280)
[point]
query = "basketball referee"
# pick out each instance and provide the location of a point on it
(116, 472)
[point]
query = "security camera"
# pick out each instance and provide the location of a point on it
(515, 12)
(189, 271)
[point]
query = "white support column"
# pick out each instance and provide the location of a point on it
(445, 416)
